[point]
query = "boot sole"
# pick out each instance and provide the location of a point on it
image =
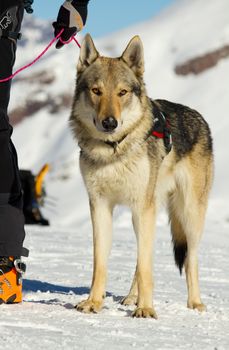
(10, 300)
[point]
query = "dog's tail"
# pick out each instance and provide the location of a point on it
(180, 253)
(179, 240)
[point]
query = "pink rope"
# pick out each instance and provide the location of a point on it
(68, 41)
(58, 36)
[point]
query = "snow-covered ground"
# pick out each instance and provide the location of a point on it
(59, 276)
(60, 262)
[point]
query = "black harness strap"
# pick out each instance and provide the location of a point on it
(161, 127)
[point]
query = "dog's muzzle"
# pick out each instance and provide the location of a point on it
(109, 124)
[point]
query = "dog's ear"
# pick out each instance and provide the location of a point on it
(134, 55)
(88, 54)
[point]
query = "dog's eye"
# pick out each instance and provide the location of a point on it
(122, 92)
(96, 91)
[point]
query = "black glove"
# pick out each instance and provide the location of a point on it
(71, 17)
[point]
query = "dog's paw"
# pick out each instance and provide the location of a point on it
(129, 300)
(145, 312)
(197, 306)
(89, 306)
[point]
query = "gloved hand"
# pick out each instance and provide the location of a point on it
(71, 17)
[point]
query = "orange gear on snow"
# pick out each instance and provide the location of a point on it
(10, 284)
(39, 180)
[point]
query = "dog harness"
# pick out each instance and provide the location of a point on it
(161, 128)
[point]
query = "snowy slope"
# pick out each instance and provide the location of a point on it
(60, 263)
(183, 31)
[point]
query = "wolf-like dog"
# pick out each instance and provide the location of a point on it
(123, 161)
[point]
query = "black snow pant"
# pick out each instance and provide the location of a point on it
(12, 232)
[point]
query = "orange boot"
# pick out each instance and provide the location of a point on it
(11, 270)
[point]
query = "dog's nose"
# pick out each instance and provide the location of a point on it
(109, 124)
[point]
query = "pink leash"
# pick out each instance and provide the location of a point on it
(40, 55)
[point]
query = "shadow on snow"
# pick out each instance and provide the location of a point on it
(34, 286)
(44, 287)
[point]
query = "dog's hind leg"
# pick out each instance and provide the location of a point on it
(186, 229)
(101, 214)
(194, 230)
(132, 297)
(187, 207)
(144, 225)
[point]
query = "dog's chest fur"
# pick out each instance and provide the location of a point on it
(122, 182)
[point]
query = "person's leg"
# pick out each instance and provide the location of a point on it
(12, 232)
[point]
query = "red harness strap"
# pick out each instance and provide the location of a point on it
(160, 135)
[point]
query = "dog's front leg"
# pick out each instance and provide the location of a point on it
(101, 214)
(144, 226)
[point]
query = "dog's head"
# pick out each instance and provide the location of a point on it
(109, 90)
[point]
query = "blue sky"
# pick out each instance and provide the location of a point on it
(106, 16)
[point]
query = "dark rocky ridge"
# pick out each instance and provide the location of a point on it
(200, 64)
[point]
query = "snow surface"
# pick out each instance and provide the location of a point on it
(60, 262)
(59, 276)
